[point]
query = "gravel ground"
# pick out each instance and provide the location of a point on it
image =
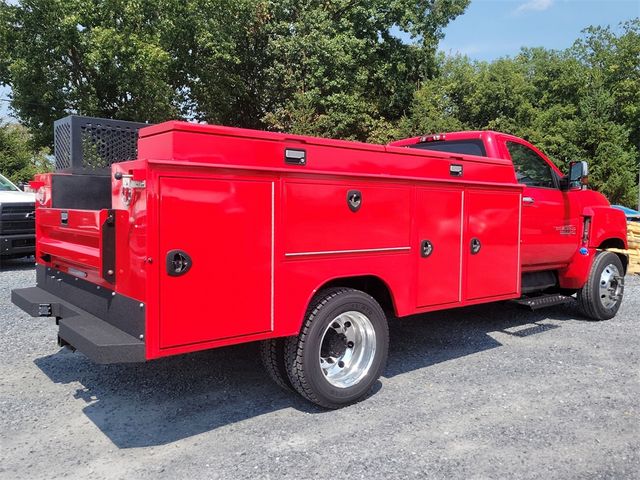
(484, 392)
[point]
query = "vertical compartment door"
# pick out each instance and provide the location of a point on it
(492, 243)
(216, 251)
(439, 224)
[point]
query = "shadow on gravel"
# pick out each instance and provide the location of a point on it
(420, 341)
(174, 398)
(15, 264)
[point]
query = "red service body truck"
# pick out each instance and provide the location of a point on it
(214, 236)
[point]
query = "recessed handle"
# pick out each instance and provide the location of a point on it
(178, 263)
(426, 248)
(528, 200)
(475, 246)
(354, 200)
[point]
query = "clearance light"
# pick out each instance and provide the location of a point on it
(433, 138)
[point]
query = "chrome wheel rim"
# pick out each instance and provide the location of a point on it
(347, 349)
(610, 286)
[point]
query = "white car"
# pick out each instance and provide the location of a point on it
(17, 221)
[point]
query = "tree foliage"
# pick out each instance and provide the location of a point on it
(18, 162)
(324, 67)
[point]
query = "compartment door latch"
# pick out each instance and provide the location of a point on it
(178, 263)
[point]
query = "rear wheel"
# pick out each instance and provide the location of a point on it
(341, 350)
(601, 296)
(272, 356)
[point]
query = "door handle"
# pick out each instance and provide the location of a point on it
(475, 246)
(178, 263)
(426, 248)
(528, 200)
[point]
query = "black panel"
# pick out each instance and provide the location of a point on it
(538, 281)
(81, 192)
(84, 144)
(122, 312)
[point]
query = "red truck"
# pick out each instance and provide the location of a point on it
(214, 236)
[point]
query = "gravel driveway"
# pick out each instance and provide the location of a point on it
(483, 392)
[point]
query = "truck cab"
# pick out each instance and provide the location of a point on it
(17, 221)
(560, 216)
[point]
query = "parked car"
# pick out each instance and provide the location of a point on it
(17, 221)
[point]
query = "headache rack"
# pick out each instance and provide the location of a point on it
(84, 150)
(89, 145)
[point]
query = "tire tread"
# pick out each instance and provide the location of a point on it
(273, 358)
(587, 295)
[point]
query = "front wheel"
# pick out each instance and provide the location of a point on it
(341, 350)
(601, 296)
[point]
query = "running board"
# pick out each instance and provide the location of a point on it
(542, 301)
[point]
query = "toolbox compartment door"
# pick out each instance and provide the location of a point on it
(439, 220)
(222, 232)
(493, 226)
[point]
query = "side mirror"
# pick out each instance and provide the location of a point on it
(578, 174)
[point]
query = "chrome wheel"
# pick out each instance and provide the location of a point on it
(347, 349)
(610, 287)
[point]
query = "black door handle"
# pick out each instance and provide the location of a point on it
(475, 246)
(426, 248)
(178, 263)
(354, 200)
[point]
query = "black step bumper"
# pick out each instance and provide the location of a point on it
(106, 327)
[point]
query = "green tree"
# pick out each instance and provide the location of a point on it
(311, 66)
(18, 161)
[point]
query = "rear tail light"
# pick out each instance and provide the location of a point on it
(41, 195)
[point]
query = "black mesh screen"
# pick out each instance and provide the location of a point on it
(93, 144)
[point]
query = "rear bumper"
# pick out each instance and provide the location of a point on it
(12, 245)
(105, 326)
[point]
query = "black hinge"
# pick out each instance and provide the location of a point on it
(109, 247)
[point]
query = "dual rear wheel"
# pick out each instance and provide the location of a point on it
(340, 353)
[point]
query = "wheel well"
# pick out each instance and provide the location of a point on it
(370, 284)
(616, 243)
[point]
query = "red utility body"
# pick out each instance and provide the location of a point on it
(259, 222)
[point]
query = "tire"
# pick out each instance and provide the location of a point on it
(601, 295)
(341, 350)
(272, 356)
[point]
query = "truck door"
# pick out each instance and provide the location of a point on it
(439, 223)
(491, 243)
(216, 250)
(550, 219)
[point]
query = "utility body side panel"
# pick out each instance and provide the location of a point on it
(233, 293)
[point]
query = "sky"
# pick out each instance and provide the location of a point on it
(490, 29)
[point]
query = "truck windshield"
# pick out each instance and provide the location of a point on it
(465, 147)
(6, 185)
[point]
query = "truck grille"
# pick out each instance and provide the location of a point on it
(17, 218)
